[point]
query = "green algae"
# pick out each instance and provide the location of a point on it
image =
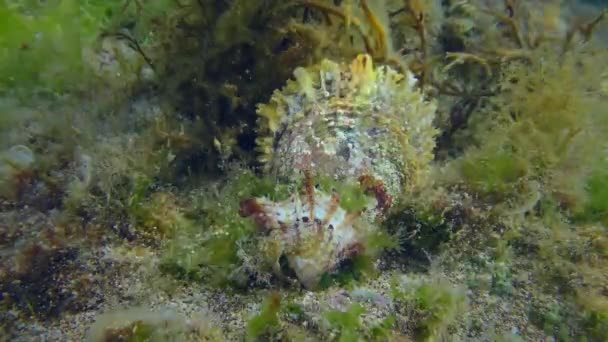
(266, 320)
(198, 249)
(353, 197)
(348, 323)
(59, 29)
(436, 305)
(596, 209)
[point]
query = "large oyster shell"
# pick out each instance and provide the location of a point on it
(348, 123)
(345, 121)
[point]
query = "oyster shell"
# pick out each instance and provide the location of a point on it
(312, 230)
(348, 123)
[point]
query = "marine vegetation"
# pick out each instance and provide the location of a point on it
(303, 170)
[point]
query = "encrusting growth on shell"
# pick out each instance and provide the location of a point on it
(348, 120)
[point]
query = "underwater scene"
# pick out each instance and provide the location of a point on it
(303, 170)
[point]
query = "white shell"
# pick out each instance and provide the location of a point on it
(315, 233)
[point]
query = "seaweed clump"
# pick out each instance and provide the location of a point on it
(525, 156)
(141, 324)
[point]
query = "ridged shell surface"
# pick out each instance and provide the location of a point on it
(311, 230)
(348, 120)
(349, 123)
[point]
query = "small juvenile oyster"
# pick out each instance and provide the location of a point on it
(350, 123)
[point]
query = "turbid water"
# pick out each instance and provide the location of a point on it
(306, 170)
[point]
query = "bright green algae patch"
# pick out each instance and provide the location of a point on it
(41, 44)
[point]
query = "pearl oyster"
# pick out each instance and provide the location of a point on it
(350, 123)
